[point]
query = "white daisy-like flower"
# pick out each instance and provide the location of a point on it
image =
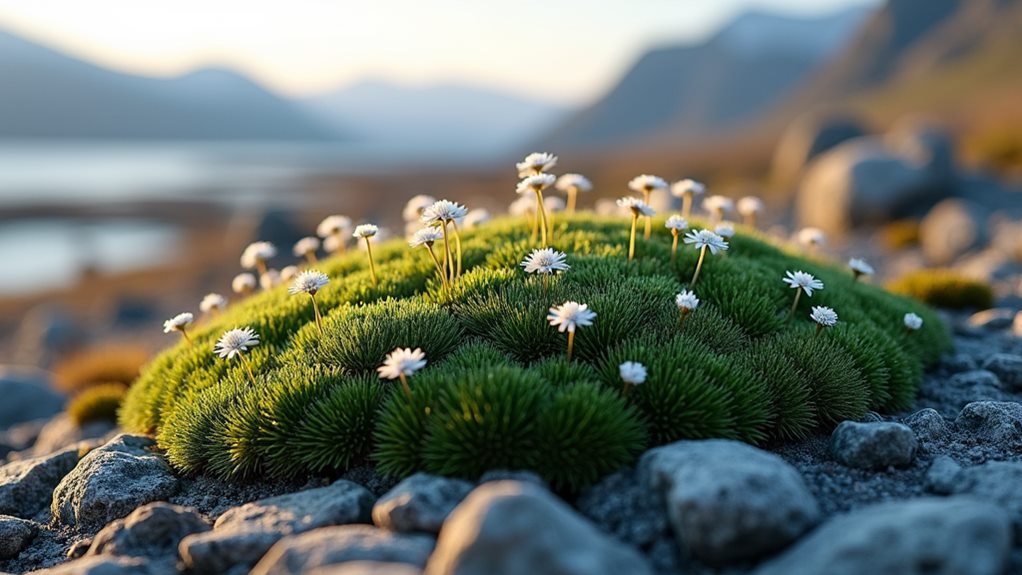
(426, 237)
(553, 204)
(860, 267)
(686, 301)
(257, 253)
(802, 280)
(309, 281)
(647, 183)
(443, 211)
(475, 218)
(576, 182)
(288, 273)
(536, 162)
(676, 224)
(333, 243)
(415, 206)
(523, 206)
(212, 302)
(725, 230)
(333, 226)
(178, 323)
(364, 231)
(535, 183)
(545, 261)
(749, 206)
(632, 372)
(812, 237)
(402, 362)
(824, 316)
(700, 239)
(570, 315)
(718, 204)
(687, 187)
(913, 321)
(243, 283)
(269, 279)
(305, 246)
(235, 342)
(637, 206)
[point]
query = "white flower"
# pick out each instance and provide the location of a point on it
(256, 253)
(236, 341)
(570, 315)
(178, 323)
(522, 206)
(913, 321)
(534, 183)
(334, 243)
(475, 218)
(632, 372)
(718, 204)
(402, 362)
(860, 267)
(824, 316)
(243, 283)
(647, 183)
(305, 246)
(415, 206)
(725, 230)
(309, 281)
(443, 211)
(545, 261)
(576, 182)
(536, 162)
(700, 239)
(288, 273)
(750, 206)
(212, 301)
(802, 280)
(637, 206)
(811, 237)
(687, 187)
(426, 237)
(333, 226)
(676, 223)
(269, 279)
(686, 301)
(553, 204)
(365, 231)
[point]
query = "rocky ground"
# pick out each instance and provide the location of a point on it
(934, 491)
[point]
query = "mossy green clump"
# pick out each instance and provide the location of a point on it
(98, 402)
(499, 392)
(944, 288)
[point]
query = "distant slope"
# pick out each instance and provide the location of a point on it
(682, 92)
(443, 117)
(46, 94)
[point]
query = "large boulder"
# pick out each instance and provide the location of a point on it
(110, 482)
(927, 146)
(874, 445)
(809, 136)
(27, 394)
(997, 482)
(153, 530)
(327, 546)
(26, 486)
(15, 535)
(952, 228)
(511, 527)
(728, 501)
(420, 503)
(954, 536)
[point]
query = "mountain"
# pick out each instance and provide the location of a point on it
(449, 118)
(686, 91)
(47, 94)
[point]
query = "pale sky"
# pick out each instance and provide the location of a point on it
(562, 50)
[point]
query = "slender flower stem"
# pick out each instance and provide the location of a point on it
(439, 268)
(819, 328)
(261, 267)
(545, 276)
(404, 385)
(750, 220)
(311, 258)
(624, 388)
(448, 259)
(248, 367)
(674, 246)
(187, 337)
(855, 276)
(649, 221)
(791, 313)
(631, 238)
(372, 266)
(699, 267)
(315, 308)
(534, 220)
(686, 205)
(684, 315)
(341, 245)
(457, 245)
(541, 209)
(572, 193)
(571, 343)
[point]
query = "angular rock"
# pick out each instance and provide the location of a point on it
(928, 425)
(26, 486)
(110, 482)
(367, 568)
(921, 536)
(153, 530)
(728, 501)
(420, 503)
(302, 553)
(943, 476)
(15, 535)
(992, 319)
(997, 482)
(27, 395)
(876, 445)
(511, 527)
(993, 421)
(107, 565)
(1008, 369)
(244, 534)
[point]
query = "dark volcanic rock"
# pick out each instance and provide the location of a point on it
(27, 486)
(153, 530)
(420, 503)
(873, 445)
(326, 546)
(15, 535)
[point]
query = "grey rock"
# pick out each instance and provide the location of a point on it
(809, 136)
(997, 482)
(958, 362)
(620, 505)
(243, 534)
(420, 503)
(512, 475)
(107, 565)
(728, 501)
(943, 476)
(993, 319)
(1016, 325)
(997, 422)
(929, 536)
(512, 527)
(21, 436)
(952, 228)
(928, 425)
(876, 445)
(1008, 369)
(367, 568)
(152, 530)
(978, 385)
(926, 145)
(28, 395)
(110, 482)
(334, 545)
(26, 486)
(15, 535)
(60, 432)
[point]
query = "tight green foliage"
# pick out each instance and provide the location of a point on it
(98, 402)
(498, 390)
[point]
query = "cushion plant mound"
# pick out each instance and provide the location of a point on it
(498, 391)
